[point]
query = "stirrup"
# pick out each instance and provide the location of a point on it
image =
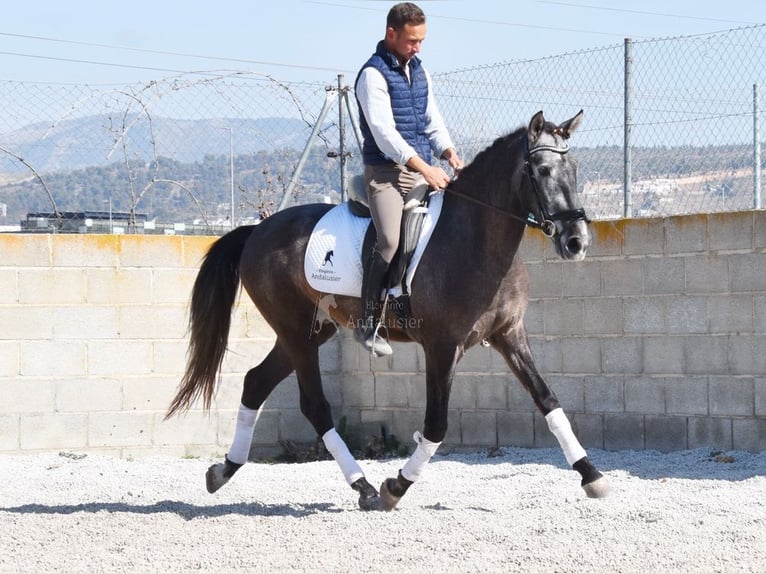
(374, 342)
(378, 346)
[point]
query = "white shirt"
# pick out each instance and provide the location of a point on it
(372, 95)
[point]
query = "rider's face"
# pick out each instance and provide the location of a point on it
(405, 43)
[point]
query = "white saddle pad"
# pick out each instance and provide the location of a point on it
(333, 262)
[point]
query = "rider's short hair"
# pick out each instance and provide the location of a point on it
(405, 13)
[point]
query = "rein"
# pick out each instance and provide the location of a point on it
(547, 225)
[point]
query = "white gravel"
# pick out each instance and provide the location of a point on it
(522, 511)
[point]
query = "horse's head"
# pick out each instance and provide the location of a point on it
(551, 178)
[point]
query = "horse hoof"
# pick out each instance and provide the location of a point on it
(371, 502)
(368, 496)
(214, 477)
(387, 497)
(599, 488)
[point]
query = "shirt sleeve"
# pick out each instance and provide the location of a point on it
(436, 129)
(372, 94)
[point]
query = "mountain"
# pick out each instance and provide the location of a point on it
(101, 140)
(180, 170)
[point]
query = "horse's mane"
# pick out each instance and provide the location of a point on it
(484, 160)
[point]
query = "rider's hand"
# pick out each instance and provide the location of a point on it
(453, 159)
(436, 177)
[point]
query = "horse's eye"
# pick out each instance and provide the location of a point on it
(543, 171)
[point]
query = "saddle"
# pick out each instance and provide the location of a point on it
(413, 213)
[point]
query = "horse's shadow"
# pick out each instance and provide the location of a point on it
(184, 510)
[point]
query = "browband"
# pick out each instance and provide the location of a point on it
(552, 148)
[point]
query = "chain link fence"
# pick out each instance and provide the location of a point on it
(194, 149)
(689, 103)
(671, 127)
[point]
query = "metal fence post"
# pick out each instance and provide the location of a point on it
(627, 160)
(330, 95)
(354, 123)
(756, 150)
(342, 141)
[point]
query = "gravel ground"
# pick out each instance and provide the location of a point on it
(521, 511)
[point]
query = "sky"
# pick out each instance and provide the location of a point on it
(105, 42)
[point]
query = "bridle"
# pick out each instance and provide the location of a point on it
(548, 223)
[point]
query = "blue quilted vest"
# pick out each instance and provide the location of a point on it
(408, 103)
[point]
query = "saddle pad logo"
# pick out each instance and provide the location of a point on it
(333, 263)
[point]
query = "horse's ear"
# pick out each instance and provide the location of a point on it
(536, 125)
(568, 127)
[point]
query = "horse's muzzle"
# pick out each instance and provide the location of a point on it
(573, 242)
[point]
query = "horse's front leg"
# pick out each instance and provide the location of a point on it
(514, 347)
(440, 368)
(369, 499)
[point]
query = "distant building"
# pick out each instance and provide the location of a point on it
(82, 222)
(118, 222)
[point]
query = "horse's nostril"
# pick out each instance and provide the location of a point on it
(574, 245)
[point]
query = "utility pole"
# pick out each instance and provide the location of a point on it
(341, 92)
(231, 171)
(342, 137)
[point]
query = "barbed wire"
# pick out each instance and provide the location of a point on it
(200, 146)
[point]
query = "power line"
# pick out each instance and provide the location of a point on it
(644, 12)
(483, 21)
(56, 59)
(323, 68)
(147, 51)
(554, 28)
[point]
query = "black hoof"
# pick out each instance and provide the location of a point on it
(369, 499)
(219, 474)
(214, 478)
(392, 490)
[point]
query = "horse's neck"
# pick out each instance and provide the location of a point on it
(487, 236)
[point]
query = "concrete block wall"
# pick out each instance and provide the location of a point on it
(655, 341)
(93, 345)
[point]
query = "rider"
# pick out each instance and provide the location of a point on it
(401, 128)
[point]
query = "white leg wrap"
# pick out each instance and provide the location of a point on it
(342, 456)
(243, 436)
(559, 425)
(419, 459)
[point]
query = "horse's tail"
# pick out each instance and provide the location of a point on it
(213, 296)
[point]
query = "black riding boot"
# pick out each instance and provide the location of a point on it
(372, 285)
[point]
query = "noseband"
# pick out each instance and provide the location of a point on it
(548, 224)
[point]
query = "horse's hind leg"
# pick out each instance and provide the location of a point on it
(258, 384)
(514, 347)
